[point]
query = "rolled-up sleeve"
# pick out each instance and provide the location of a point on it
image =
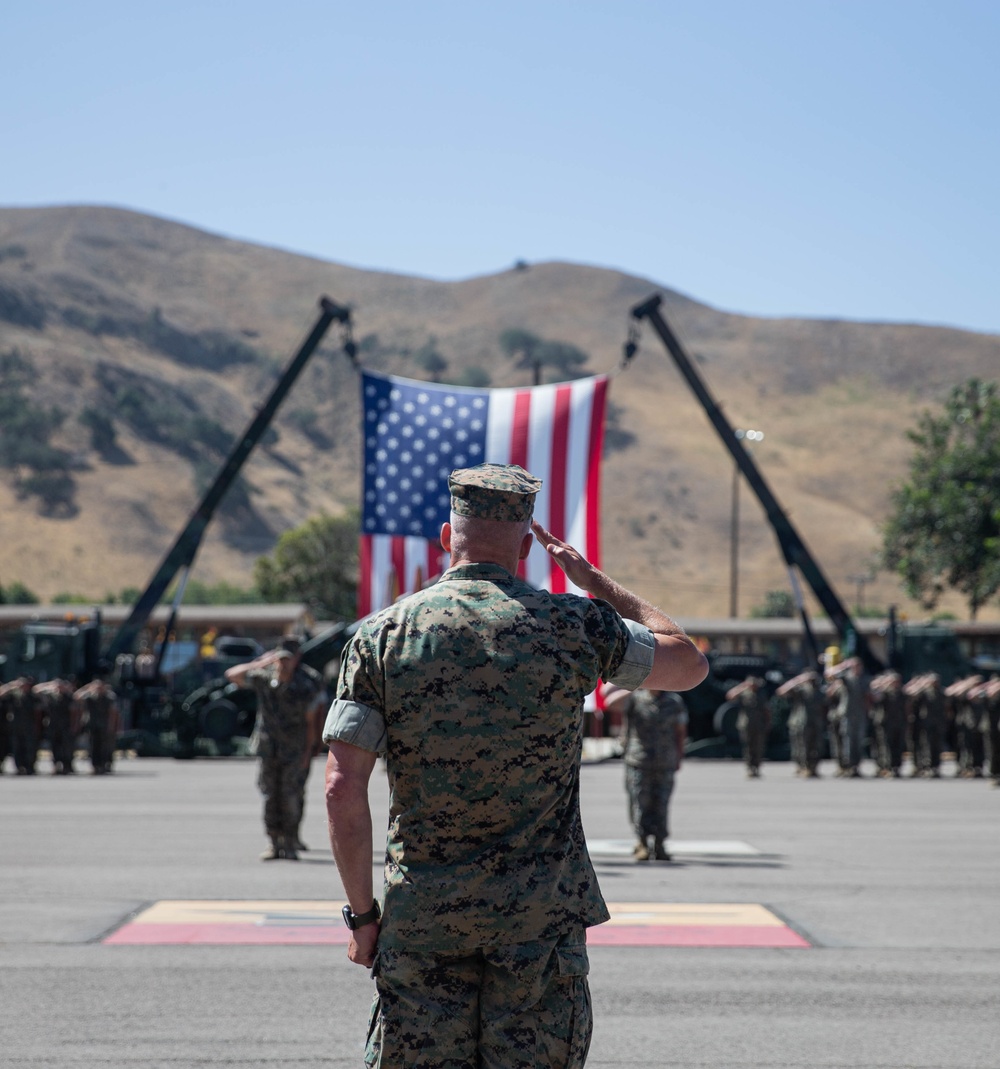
(357, 724)
(638, 660)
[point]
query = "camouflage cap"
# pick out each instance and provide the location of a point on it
(502, 492)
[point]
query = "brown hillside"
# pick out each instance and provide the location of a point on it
(104, 301)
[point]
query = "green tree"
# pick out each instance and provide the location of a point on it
(17, 593)
(222, 593)
(316, 563)
(102, 430)
(428, 357)
(524, 345)
(777, 603)
(565, 360)
(944, 528)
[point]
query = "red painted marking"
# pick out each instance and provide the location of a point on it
(693, 935)
(227, 935)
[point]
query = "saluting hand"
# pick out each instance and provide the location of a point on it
(578, 569)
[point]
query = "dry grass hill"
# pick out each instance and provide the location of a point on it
(176, 335)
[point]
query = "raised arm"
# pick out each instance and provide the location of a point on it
(678, 664)
(238, 673)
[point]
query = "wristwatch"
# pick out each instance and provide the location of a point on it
(359, 920)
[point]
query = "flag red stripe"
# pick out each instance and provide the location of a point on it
(594, 471)
(519, 430)
(520, 426)
(557, 478)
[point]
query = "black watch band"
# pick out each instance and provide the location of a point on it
(359, 920)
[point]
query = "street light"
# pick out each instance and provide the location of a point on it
(750, 437)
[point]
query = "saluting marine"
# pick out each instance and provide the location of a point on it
(805, 725)
(55, 700)
(287, 693)
(889, 722)
(473, 691)
(98, 706)
(753, 721)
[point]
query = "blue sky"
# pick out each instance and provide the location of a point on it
(830, 159)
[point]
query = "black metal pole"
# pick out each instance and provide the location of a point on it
(183, 551)
(792, 547)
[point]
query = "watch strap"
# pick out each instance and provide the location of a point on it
(359, 920)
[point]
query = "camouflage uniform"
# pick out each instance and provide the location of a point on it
(652, 756)
(5, 742)
(853, 721)
(969, 739)
(23, 729)
(98, 702)
(473, 690)
(990, 726)
(805, 725)
(281, 738)
(930, 724)
(889, 723)
(56, 701)
(753, 722)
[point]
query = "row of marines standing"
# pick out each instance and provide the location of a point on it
(917, 717)
(57, 712)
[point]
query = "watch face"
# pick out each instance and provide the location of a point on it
(348, 917)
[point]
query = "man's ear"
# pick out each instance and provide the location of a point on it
(525, 546)
(446, 537)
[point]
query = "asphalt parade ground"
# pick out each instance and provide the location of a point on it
(829, 923)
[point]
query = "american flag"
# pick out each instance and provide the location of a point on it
(416, 433)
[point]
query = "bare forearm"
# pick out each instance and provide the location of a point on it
(349, 821)
(677, 663)
(628, 604)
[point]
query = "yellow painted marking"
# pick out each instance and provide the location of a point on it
(673, 913)
(270, 911)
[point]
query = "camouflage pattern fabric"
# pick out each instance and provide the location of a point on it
(651, 722)
(752, 724)
(500, 1007)
(810, 699)
(649, 791)
(968, 738)
(652, 756)
(480, 680)
(5, 742)
(503, 492)
(853, 719)
(99, 720)
(889, 722)
(281, 736)
(58, 711)
(991, 729)
(929, 727)
(23, 731)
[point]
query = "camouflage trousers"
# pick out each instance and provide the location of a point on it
(753, 735)
(853, 730)
(61, 743)
(928, 742)
(890, 743)
(649, 791)
(102, 746)
(24, 742)
(524, 1006)
(280, 781)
